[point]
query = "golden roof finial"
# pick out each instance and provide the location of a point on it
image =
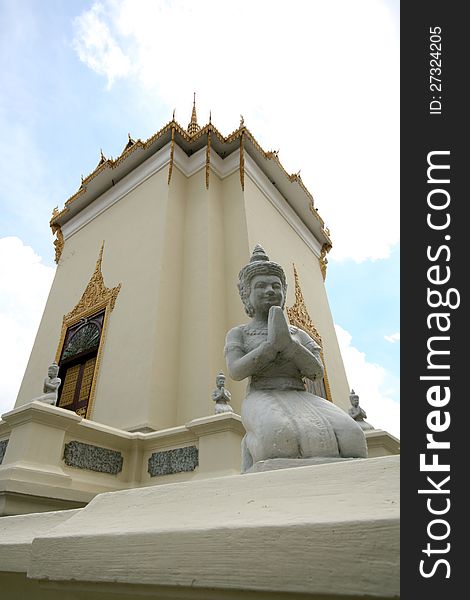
(102, 157)
(242, 121)
(193, 126)
(210, 117)
(130, 142)
(174, 110)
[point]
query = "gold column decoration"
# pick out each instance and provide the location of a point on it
(299, 317)
(57, 231)
(95, 298)
(172, 153)
(58, 242)
(242, 161)
(323, 260)
(208, 158)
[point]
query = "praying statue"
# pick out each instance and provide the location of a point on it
(221, 395)
(281, 418)
(51, 385)
(357, 412)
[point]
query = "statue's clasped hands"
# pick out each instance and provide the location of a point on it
(279, 337)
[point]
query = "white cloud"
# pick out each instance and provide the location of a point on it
(319, 80)
(97, 48)
(372, 383)
(395, 337)
(24, 286)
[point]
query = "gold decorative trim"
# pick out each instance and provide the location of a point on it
(323, 260)
(59, 242)
(193, 126)
(298, 314)
(299, 317)
(57, 231)
(242, 161)
(326, 381)
(191, 135)
(95, 294)
(172, 154)
(95, 298)
(208, 158)
(102, 160)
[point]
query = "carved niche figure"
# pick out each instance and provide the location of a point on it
(282, 420)
(51, 386)
(221, 395)
(357, 412)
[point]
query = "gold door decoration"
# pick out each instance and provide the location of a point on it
(96, 297)
(69, 385)
(299, 317)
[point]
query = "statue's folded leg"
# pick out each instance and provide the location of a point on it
(247, 458)
(350, 437)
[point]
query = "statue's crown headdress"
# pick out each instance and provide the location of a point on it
(259, 265)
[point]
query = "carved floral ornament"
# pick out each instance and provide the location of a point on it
(95, 297)
(298, 314)
(299, 317)
(323, 260)
(57, 231)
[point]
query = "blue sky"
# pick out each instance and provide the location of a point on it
(318, 81)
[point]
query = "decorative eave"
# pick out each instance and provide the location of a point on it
(110, 171)
(95, 296)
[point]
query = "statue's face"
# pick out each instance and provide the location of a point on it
(52, 372)
(220, 380)
(266, 291)
(354, 400)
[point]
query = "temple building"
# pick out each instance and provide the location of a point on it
(148, 251)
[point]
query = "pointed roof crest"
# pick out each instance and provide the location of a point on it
(193, 126)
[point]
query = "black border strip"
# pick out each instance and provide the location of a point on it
(423, 132)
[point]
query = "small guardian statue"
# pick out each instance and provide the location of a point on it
(221, 395)
(51, 386)
(358, 413)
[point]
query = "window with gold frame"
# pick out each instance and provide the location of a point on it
(78, 361)
(81, 343)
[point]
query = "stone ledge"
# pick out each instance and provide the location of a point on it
(381, 443)
(216, 424)
(285, 531)
(17, 534)
(39, 412)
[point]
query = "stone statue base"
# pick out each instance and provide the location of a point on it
(222, 407)
(50, 398)
(365, 426)
(290, 463)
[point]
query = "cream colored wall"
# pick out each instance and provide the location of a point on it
(128, 382)
(169, 302)
(203, 293)
(237, 252)
(177, 250)
(283, 245)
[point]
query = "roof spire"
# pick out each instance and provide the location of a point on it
(103, 158)
(193, 126)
